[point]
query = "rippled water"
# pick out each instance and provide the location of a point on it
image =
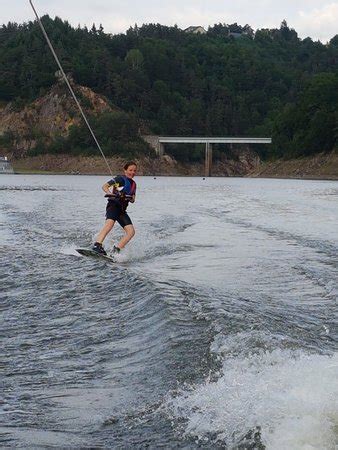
(216, 329)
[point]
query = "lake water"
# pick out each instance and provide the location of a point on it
(215, 329)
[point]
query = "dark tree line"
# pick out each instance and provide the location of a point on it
(230, 81)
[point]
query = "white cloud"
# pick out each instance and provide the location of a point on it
(319, 23)
(314, 18)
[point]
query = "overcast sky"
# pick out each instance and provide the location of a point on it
(315, 18)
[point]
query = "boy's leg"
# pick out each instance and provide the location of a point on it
(105, 230)
(129, 234)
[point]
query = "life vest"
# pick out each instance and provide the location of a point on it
(125, 186)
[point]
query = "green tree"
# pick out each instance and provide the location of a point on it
(265, 82)
(134, 58)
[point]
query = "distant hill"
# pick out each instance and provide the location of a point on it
(266, 83)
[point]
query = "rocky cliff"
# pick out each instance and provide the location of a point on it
(47, 117)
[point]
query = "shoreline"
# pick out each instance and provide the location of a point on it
(101, 174)
(323, 166)
(319, 167)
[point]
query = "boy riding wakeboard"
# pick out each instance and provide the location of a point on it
(120, 191)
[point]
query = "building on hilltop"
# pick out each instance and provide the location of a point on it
(236, 31)
(195, 30)
(235, 34)
(5, 165)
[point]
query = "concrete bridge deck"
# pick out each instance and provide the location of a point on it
(212, 140)
(158, 143)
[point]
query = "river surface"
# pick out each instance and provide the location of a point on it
(215, 328)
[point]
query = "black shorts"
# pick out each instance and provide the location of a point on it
(115, 212)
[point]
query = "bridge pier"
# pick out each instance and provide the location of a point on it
(160, 151)
(208, 159)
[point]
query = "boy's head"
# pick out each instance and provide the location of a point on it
(130, 169)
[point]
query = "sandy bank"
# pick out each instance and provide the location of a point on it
(322, 166)
(95, 165)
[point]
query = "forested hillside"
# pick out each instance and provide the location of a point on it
(267, 83)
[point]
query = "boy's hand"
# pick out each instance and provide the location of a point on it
(115, 195)
(120, 195)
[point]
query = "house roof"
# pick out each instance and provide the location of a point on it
(193, 29)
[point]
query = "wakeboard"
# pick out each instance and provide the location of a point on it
(93, 254)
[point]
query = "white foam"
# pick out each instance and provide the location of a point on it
(70, 249)
(289, 395)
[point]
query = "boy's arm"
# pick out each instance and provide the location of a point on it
(133, 196)
(106, 187)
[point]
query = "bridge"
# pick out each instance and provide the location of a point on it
(158, 144)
